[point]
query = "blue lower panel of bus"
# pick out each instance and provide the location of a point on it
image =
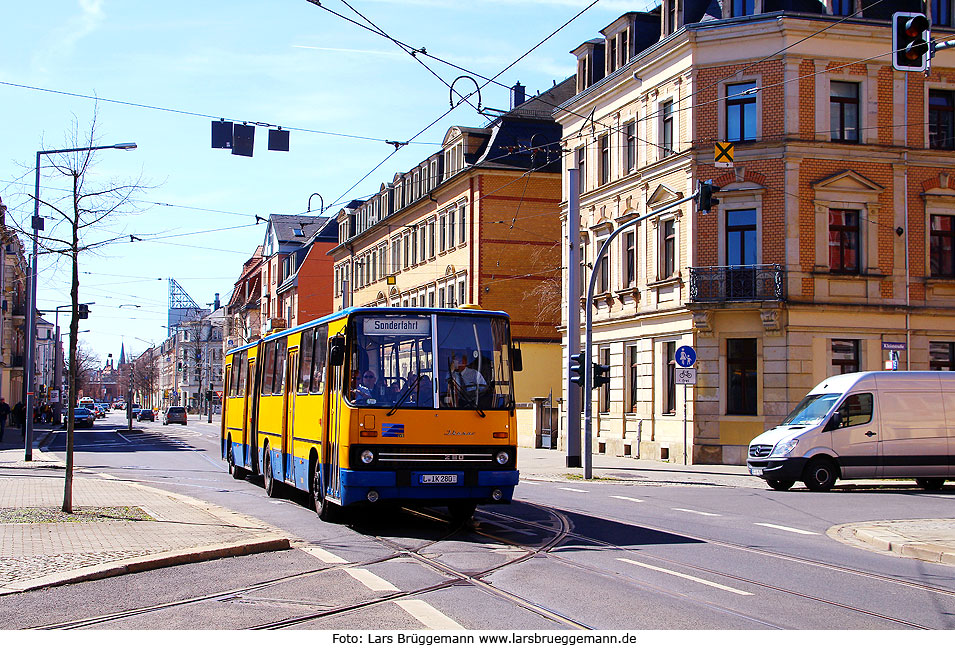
(433, 486)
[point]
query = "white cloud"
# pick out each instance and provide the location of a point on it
(63, 39)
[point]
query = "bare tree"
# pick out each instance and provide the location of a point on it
(145, 375)
(90, 206)
(86, 364)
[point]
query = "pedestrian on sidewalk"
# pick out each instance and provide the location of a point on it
(4, 413)
(18, 415)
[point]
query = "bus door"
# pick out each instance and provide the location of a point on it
(251, 422)
(334, 425)
(288, 422)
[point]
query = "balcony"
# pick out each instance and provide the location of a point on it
(737, 283)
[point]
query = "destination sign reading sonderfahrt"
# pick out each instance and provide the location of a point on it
(396, 326)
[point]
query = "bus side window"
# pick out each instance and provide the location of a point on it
(318, 359)
(281, 352)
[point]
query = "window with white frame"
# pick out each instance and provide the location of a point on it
(422, 243)
(396, 255)
(462, 223)
(442, 231)
(431, 237)
(666, 128)
(741, 112)
(667, 243)
(630, 146)
(405, 250)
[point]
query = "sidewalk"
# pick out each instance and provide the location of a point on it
(122, 527)
(117, 526)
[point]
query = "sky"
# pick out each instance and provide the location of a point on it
(164, 70)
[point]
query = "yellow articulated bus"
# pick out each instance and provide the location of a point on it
(407, 405)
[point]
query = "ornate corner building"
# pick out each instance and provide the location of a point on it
(833, 244)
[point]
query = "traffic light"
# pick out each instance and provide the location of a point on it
(910, 41)
(578, 361)
(83, 311)
(705, 201)
(601, 375)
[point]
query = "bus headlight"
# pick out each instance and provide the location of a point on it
(502, 457)
(367, 457)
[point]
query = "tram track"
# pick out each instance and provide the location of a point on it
(722, 574)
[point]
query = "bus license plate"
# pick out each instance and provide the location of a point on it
(439, 479)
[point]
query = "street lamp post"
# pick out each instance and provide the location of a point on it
(31, 318)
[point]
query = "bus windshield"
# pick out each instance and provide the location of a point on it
(811, 410)
(419, 361)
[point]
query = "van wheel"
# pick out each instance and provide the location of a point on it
(930, 484)
(780, 485)
(271, 486)
(820, 475)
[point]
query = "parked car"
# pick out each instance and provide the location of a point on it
(174, 414)
(82, 417)
(873, 424)
(146, 415)
(106, 407)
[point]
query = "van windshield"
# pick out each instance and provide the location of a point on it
(811, 410)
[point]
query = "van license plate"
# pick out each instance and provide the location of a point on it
(753, 471)
(439, 479)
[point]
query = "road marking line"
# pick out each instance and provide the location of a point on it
(686, 577)
(529, 482)
(427, 615)
(787, 529)
(693, 511)
(371, 580)
(632, 500)
(323, 555)
(580, 491)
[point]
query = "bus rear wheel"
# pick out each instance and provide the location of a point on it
(271, 486)
(325, 510)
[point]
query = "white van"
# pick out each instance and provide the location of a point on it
(873, 424)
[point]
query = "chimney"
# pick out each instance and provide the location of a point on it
(215, 306)
(517, 95)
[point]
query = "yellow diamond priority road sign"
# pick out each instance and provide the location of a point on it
(723, 155)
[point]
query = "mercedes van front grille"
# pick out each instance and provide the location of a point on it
(760, 450)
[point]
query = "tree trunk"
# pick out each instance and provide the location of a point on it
(74, 335)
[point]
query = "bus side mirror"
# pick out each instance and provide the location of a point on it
(336, 351)
(517, 361)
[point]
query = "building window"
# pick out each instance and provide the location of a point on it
(630, 259)
(462, 223)
(603, 395)
(604, 145)
(611, 54)
(941, 119)
(451, 240)
(845, 356)
(668, 248)
(603, 270)
(462, 292)
(395, 256)
(942, 246)
(743, 7)
(842, 7)
(666, 132)
(671, 16)
(669, 378)
(741, 237)
(741, 112)
(844, 111)
(844, 241)
(442, 229)
(431, 237)
(581, 169)
(441, 298)
(633, 376)
(942, 13)
(406, 248)
(741, 376)
(941, 356)
(630, 145)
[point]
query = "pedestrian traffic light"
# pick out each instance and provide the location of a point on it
(83, 311)
(578, 360)
(705, 201)
(910, 41)
(601, 375)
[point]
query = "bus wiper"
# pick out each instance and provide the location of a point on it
(404, 395)
(459, 391)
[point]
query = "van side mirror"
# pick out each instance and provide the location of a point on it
(517, 360)
(336, 351)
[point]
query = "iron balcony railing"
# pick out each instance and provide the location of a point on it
(737, 283)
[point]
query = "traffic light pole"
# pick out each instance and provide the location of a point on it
(572, 406)
(588, 329)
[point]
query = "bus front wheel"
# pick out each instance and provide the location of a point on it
(461, 513)
(325, 510)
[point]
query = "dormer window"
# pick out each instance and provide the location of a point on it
(742, 7)
(672, 16)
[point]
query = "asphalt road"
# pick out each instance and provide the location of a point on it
(564, 555)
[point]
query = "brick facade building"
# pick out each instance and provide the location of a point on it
(835, 231)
